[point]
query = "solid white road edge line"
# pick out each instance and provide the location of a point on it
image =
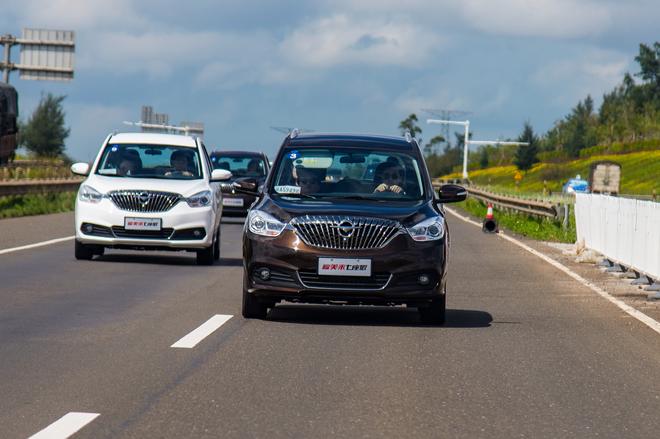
(648, 321)
(38, 244)
(65, 426)
(199, 334)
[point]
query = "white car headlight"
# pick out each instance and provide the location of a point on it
(200, 199)
(430, 229)
(89, 194)
(261, 223)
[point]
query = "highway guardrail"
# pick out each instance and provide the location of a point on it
(22, 187)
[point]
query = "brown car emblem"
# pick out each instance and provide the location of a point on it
(346, 229)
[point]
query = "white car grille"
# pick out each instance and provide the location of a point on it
(144, 201)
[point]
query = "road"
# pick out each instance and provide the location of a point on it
(526, 351)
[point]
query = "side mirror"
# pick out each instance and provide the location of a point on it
(80, 168)
(247, 185)
(220, 175)
(451, 193)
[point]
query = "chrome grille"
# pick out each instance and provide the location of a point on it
(345, 232)
(144, 201)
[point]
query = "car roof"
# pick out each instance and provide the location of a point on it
(237, 153)
(153, 139)
(346, 139)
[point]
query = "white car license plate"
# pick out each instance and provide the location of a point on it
(344, 267)
(233, 202)
(132, 223)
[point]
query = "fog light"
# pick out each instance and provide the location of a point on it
(423, 279)
(264, 274)
(197, 233)
(89, 228)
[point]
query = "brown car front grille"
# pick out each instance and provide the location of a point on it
(345, 232)
(144, 201)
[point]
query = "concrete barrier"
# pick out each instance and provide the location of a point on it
(625, 231)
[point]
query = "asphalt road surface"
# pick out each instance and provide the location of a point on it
(526, 351)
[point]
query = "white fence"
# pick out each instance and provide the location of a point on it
(626, 231)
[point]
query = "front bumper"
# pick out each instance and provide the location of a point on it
(178, 225)
(293, 267)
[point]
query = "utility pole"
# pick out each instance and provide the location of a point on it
(467, 142)
(446, 114)
(466, 124)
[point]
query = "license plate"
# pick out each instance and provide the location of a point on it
(234, 202)
(344, 267)
(132, 223)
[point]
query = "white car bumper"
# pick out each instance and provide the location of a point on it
(177, 226)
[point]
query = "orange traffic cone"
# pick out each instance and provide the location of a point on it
(489, 225)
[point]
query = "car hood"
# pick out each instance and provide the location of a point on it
(186, 188)
(408, 213)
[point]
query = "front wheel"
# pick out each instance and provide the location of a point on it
(216, 246)
(83, 252)
(205, 256)
(253, 308)
(434, 312)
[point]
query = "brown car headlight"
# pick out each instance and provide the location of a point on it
(261, 223)
(430, 229)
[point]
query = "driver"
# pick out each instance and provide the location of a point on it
(181, 163)
(389, 177)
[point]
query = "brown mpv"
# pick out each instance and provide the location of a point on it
(347, 219)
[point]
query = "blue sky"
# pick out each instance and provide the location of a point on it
(359, 66)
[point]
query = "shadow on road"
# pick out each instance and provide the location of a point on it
(158, 259)
(373, 316)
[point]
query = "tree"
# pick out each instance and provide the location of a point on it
(430, 146)
(483, 158)
(44, 133)
(410, 124)
(525, 156)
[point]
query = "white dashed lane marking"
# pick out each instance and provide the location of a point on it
(65, 426)
(199, 334)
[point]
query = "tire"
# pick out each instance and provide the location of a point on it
(83, 252)
(205, 256)
(435, 312)
(216, 246)
(253, 308)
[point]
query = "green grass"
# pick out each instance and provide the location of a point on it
(36, 204)
(640, 173)
(532, 227)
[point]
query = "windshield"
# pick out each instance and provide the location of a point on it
(240, 166)
(351, 173)
(150, 161)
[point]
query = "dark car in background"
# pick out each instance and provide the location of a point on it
(241, 164)
(347, 219)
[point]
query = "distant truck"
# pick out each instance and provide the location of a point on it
(8, 122)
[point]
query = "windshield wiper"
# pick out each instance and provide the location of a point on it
(350, 197)
(311, 197)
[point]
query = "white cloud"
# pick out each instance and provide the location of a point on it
(543, 18)
(340, 39)
(591, 72)
(79, 14)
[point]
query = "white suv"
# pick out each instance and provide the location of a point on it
(150, 192)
